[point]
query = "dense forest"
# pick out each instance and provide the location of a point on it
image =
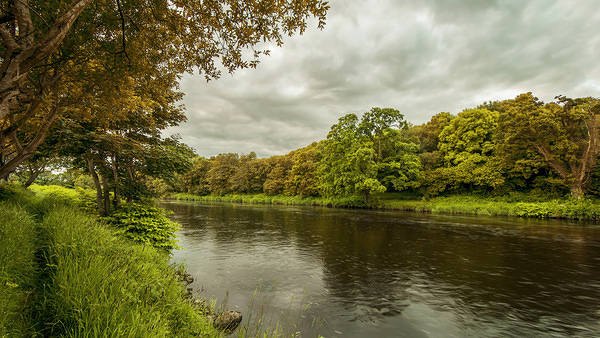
(520, 144)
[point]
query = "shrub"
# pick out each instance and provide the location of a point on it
(145, 224)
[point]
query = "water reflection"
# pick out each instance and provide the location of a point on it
(378, 274)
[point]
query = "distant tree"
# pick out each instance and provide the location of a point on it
(467, 147)
(303, 178)
(278, 174)
(361, 157)
(565, 134)
(195, 180)
(429, 132)
(375, 123)
(222, 168)
(241, 179)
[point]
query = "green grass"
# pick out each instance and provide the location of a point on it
(65, 273)
(18, 271)
(521, 205)
(337, 202)
(102, 285)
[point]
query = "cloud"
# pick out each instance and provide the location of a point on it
(421, 57)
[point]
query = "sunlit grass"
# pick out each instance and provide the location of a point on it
(520, 205)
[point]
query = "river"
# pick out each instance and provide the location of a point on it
(365, 273)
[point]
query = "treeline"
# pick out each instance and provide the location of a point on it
(521, 144)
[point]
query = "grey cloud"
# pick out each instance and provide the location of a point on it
(421, 57)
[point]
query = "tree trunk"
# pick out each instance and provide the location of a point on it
(367, 196)
(23, 53)
(32, 177)
(577, 191)
(115, 170)
(131, 178)
(101, 210)
(106, 194)
(25, 153)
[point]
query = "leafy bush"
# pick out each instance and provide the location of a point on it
(145, 224)
(80, 197)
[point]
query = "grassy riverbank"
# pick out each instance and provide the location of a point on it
(520, 205)
(65, 273)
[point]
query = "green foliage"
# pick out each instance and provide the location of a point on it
(500, 147)
(80, 197)
(520, 205)
(278, 175)
(302, 178)
(99, 285)
(338, 202)
(467, 146)
(565, 135)
(18, 270)
(223, 167)
(145, 224)
(368, 156)
(64, 273)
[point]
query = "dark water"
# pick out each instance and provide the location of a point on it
(352, 273)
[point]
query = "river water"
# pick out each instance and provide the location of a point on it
(364, 273)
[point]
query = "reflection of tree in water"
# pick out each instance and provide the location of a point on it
(376, 264)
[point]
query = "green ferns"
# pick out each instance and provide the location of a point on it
(145, 224)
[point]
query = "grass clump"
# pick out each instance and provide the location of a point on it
(18, 270)
(101, 285)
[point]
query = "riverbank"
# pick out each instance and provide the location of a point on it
(514, 205)
(65, 272)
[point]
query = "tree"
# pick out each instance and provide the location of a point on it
(467, 146)
(363, 157)
(222, 168)
(46, 45)
(195, 180)
(429, 132)
(278, 173)
(376, 122)
(302, 179)
(565, 135)
(428, 135)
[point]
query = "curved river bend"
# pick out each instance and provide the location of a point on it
(357, 273)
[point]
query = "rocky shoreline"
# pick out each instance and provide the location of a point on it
(226, 321)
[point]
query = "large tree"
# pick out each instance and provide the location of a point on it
(369, 155)
(467, 146)
(48, 49)
(565, 134)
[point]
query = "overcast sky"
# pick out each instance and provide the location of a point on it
(420, 57)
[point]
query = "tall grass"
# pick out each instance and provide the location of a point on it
(18, 270)
(521, 205)
(100, 285)
(65, 273)
(337, 202)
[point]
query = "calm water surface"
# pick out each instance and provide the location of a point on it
(352, 273)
